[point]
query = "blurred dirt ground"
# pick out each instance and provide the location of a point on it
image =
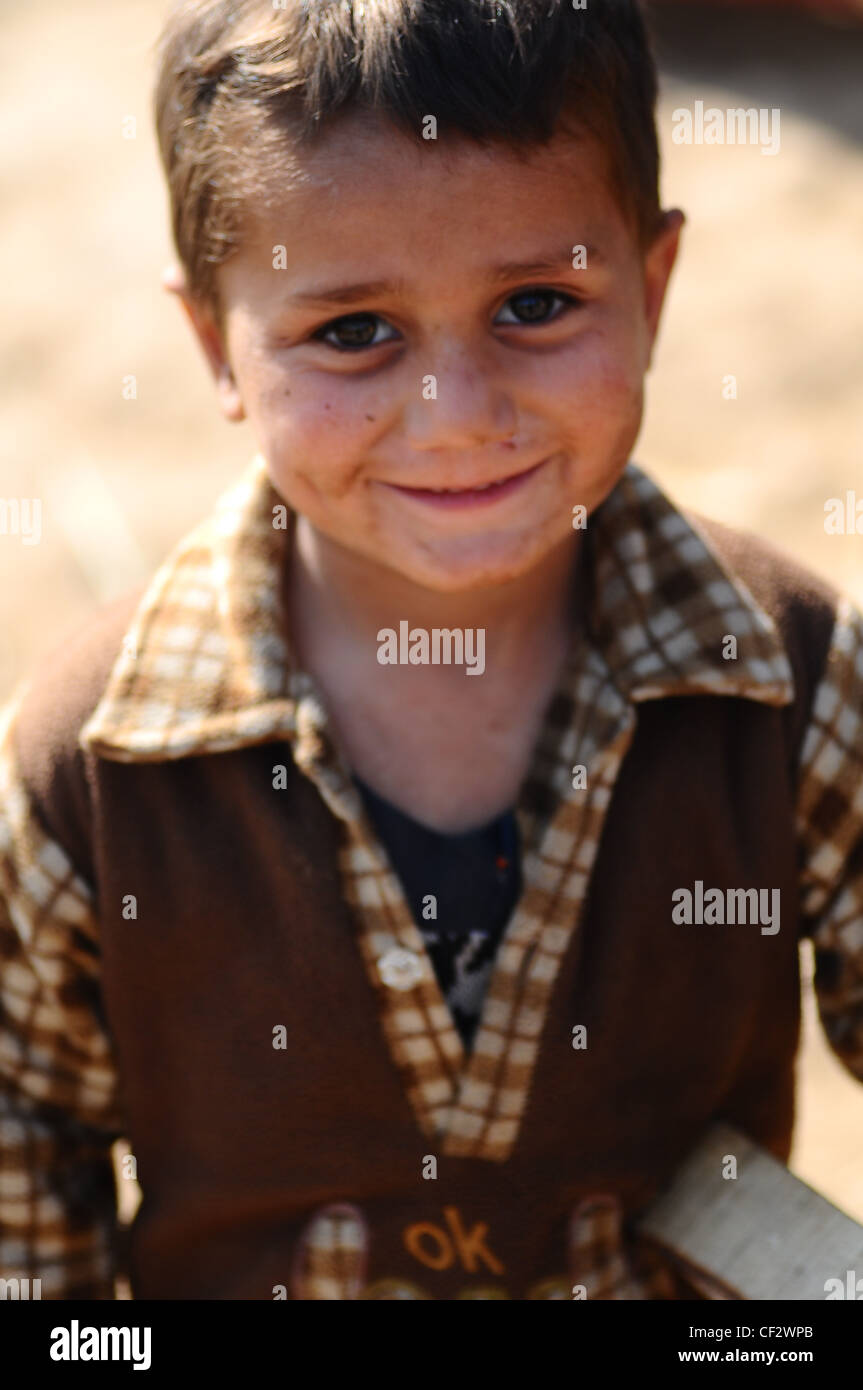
(769, 289)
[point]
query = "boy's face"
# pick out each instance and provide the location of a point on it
(382, 412)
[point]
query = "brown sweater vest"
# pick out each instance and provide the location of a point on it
(241, 927)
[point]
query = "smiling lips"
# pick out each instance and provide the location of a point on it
(469, 496)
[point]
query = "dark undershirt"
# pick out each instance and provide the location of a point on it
(475, 879)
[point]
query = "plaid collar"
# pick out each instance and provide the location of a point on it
(206, 667)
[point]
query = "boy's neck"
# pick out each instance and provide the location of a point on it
(355, 598)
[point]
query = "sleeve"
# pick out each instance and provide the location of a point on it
(830, 834)
(58, 1085)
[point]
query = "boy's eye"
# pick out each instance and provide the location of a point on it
(534, 305)
(354, 331)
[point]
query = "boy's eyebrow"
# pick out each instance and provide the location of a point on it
(507, 270)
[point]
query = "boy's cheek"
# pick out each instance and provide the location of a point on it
(604, 401)
(604, 363)
(613, 359)
(606, 420)
(319, 442)
(313, 485)
(321, 471)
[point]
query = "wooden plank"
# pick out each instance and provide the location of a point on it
(762, 1235)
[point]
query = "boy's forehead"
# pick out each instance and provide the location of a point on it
(361, 143)
(368, 186)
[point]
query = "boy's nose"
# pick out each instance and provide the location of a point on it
(460, 404)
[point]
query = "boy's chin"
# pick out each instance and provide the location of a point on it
(465, 569)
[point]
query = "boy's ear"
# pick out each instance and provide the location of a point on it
(209, 336)
(658, 265)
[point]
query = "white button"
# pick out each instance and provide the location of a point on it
(400, 969)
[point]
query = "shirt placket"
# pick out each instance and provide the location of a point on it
(423, 1040)
(471, 1104)
(495, 1079)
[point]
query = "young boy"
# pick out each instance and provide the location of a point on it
(416, 868)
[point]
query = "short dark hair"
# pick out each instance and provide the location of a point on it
(241, 82)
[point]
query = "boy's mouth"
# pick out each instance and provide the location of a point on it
(479, 494)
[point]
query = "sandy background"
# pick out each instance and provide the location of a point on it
(769, 289)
